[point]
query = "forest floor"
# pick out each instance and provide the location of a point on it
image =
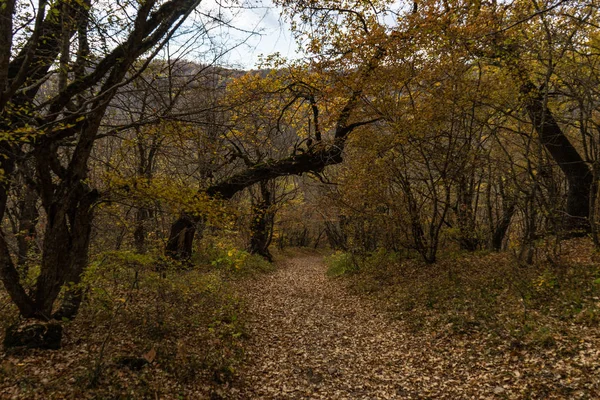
(473, 326)
(310, 337)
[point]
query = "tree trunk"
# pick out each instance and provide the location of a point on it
(79, 258)
(181, 238)
(139, 234)
(465, 216)
(28, 217)
(64, 256)
(578, 174)
(503, 224)
(262, 224)
(179, 245)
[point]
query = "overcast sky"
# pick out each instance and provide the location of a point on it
(272, 33)
(275, 37)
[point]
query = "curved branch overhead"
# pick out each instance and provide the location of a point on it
(317, 157)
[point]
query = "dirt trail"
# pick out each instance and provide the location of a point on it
(310, 338)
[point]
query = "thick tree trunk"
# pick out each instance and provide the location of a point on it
(578, 174)
(65, 256)
(79, 258)
(181, 238)
(55, 261)
(262, 224)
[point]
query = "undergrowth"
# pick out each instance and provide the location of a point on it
(226, 256)
(484, 293)
(149, 328)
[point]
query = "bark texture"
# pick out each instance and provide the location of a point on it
(578, 174)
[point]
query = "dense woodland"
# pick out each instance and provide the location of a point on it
(436, 151)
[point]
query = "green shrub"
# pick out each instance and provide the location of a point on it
(254, 263)
(341, 264)
(237, 262)
(224, 254)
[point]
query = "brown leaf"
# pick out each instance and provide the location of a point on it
(150, 356)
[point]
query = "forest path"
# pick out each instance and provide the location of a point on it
(312, 339)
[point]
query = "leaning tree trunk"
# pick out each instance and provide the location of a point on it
(578, 174)
(179, 245)
(315, 159)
